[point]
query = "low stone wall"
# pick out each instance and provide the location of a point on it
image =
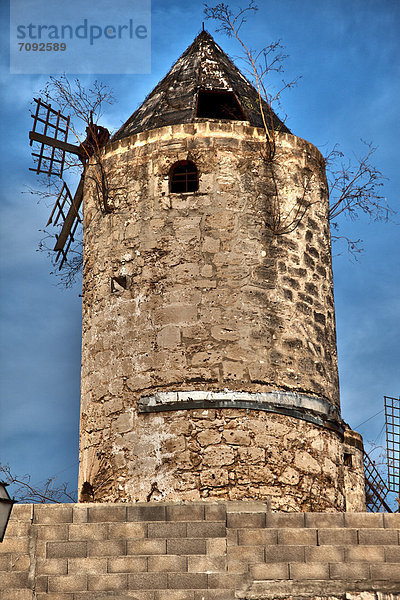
(199, 551)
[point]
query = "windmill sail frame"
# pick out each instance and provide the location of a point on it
(376, 489)
(52, 137)
(392, 420)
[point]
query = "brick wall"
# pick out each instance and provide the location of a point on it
(196, 551)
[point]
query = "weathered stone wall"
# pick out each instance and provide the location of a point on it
(228, 454)
(199, 551)
(192, 292)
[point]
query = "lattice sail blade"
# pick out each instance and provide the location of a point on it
(376, 489)
(392, 419)
(66, 210)
(50, 132)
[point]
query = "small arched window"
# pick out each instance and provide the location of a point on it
(183, 177)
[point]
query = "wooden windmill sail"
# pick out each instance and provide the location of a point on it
(50, 136)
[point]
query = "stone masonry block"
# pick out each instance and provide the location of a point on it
(215, 512)
(166, 530)
(128, 531)
(52, 532)
(274, 554)
(324, 554)
(41, 583)
(211, 244)
(385, 572)
(106, 513)
(349, 571)
(251, 554)
(284, 520)
(156, 546)
(297, 536)
(66, 583)
(174, 314)
(324, 520)
(14, 545)
(106, 548)
(215, 594)
(108, 582)
(257, 537)
(186, 546)
(52, 514)
(80, 513)
(88, 531)
(374, 537)
(142, 595)
(189, 581)
(21, 562)
(275, 571)
(170, 563)
(181, 512)
(237, 566)
(337, 537)
(392, 554)
(127, 564)
(24, 594)
(18, 528)
(206, 529)
(147, 513)
(232, 537)
(363, 520)
(147, 581)
(5, 562)
(206, 564)
(51, 566)
(244, 520)
(66, 550)
(85, 566)
(226, 580)
(41, 548)
(365, 553)
(175, 595)
(216, 547)
(109, 595)
(15, 580)
(308, 571)
(22, 512)
(391, 520)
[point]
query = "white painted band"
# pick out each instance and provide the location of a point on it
(288, 400)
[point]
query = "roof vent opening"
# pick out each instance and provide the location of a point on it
(219, 105)
(183, 177)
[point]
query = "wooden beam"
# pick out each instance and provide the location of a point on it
(49, 141)
(71, 216)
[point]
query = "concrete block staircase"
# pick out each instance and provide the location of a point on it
(196, 551)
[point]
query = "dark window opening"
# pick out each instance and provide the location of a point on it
(119, 283)
(219, 105)
(348, 460)
(183, 177)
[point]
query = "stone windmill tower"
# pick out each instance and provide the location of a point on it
(209, 346)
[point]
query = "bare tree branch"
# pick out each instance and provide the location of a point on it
(26, 492)
(354, 185)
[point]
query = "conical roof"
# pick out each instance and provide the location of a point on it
(202, 67)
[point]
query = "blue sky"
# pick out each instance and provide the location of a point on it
(347, 52)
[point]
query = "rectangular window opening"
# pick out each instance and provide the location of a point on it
(219, 105)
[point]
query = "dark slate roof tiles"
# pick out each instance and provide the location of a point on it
(203, 65)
